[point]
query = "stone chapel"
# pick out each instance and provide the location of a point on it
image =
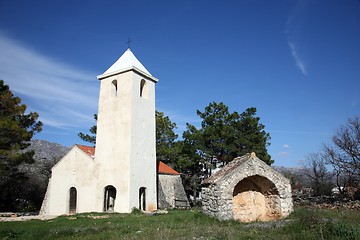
(121, 173)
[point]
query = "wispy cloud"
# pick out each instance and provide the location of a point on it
(300, 132)
(282, 154)
(64, 96)
(293, 20)
(286, 146)
(298, 61)
(181, 119)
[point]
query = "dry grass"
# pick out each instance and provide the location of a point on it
(187, 224)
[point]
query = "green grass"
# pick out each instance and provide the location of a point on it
(187, 224)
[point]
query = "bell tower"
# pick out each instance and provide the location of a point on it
(125, 144)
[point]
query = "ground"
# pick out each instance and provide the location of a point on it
(304, 223)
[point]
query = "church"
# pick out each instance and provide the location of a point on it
(121, 173)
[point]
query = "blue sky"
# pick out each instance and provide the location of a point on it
(296, 61)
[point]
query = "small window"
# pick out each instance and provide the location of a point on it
(114, 88)
(143, 89)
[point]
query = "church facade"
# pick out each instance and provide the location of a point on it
(121, 173)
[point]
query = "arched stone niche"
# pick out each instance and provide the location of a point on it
(255, 198)
(247, 189)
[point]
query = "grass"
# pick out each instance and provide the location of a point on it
(304, 223)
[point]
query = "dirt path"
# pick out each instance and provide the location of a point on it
(25, 218)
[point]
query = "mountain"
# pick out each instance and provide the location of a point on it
(47, 154)
(47, 151)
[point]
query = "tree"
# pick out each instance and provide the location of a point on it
(224, 135)
(251, 136)
(87, 137)
(215, 136)
(344, 154)
(318, 176)
(16, 130)
(165, 137)
(189, 163)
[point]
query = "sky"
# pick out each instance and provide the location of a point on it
(296, 61)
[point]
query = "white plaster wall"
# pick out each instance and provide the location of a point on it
(143, 154)
(125, 145)
(113, 139)
(77, 170)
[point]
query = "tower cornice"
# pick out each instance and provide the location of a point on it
(132, 68)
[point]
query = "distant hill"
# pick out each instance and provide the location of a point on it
(47, 151)
(47, 154)
(292, 170)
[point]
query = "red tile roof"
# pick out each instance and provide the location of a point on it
(165, 169)
(162, 168)
(86, 149)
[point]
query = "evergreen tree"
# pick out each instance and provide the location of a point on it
(165, 137)
(16, 130)
(224, 136)
(87, 137)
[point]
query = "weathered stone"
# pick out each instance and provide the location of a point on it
(247, 190)
(171, 193)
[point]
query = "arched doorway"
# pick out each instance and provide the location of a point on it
(72, 200)
(109, 198)
(142, 198)
(255, 198)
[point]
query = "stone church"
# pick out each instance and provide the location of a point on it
(121, 173)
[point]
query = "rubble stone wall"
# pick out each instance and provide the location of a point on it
(171, 193)
(260, 188)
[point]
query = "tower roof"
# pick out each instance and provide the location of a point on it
(127, 62)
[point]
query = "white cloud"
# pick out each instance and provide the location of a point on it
(299, 62)
(286, 146)
(64, 96)
(282, 154)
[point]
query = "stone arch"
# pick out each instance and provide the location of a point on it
(109, 198)
(72, 200)
(255, 198)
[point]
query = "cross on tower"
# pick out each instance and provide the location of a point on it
(128, 42)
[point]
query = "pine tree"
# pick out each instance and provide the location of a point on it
(16, 130)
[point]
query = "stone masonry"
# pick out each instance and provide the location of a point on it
(247, 189)
(171, 193)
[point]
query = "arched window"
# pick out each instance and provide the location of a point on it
(143, 89)
(109, 198)
(142, 198)
(114, 88)
(72, 200)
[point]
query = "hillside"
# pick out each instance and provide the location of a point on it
(47, 154)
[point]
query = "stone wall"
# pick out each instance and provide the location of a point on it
(247, 190)
(171, 193)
